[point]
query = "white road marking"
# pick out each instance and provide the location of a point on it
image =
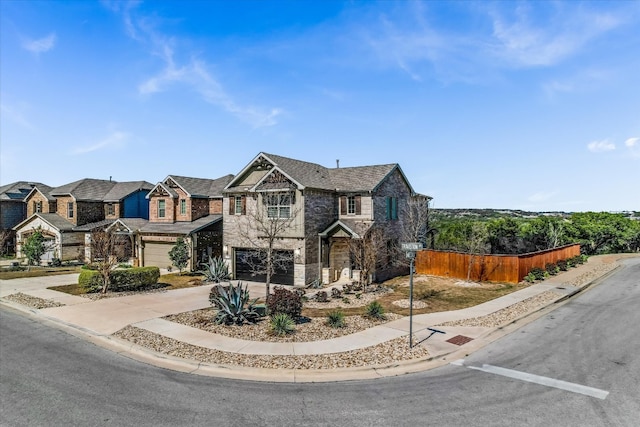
(546, 381)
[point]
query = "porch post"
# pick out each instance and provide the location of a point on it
(320, 258)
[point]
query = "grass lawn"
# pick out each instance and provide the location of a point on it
(439, 293)
(166, 282)
(37, 271)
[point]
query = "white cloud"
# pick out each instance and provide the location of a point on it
(115, 139)
(192, 73)
(40, 45)
(601, 146)
(633, 144)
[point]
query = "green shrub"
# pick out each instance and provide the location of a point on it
(335, 319)
(90, 281)
(322, 296)
(551, 268)
(336, 293)
(216, 270)
(375, 310)
(124, 265)
(284, 301)
(91, 266)
(282, 324)
(346, 300)
(131, 279)
(537, 273)
(530, 278)
(563, 265)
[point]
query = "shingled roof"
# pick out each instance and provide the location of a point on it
(20, 189)
(87, 189)
(123, 189)
(201, 187)
(304, 173)
(182, 227)
(53, 219)
(360, 178)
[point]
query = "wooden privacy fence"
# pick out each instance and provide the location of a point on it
(493, 268)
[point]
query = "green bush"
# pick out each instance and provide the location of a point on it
(335, 319)
(537, 273)
(530, 278)
(90, 281)
(91, 266)
(282, 324)
(131, 279)
(322, 296)
(284, 301)
(375, 310)
(563, 265)
(551, 268)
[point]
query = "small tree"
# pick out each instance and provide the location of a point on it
(105, 247)
(35, 247)
(5, 236)
(180, 254)
(367, 251)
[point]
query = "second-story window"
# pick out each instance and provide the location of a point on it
(70, 209)
(351, 205)
(238, 206)
(110, 209)
(278, 205)
(161, 208)
(392, 208)
(183, 207)
(37, 207)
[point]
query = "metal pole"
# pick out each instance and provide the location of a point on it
(411, 304)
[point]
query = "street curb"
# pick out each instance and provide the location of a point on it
(164, 361)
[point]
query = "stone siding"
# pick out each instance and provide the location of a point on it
(87, 212)
(36, 196)
(215, 206)
(199, 208)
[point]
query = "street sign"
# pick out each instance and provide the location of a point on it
(413, 246)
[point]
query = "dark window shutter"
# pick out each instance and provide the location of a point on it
(358, 205)
(343, 205)
(232, 205)
(394, 208)
(388, 207)
(243, 201)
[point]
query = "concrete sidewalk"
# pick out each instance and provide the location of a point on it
(99, 319)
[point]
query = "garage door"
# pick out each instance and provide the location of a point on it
(248, 262)
(157, 254)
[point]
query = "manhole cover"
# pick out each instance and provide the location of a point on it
(459, 340)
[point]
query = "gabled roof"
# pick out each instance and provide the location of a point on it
(183, 228)
(20, 190)
(123, 189)
(312, 175)
(54, 220)
(133, 224)
(196, 187)
(86, 189)
(350, 226)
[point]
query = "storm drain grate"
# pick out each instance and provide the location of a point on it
(459, 340)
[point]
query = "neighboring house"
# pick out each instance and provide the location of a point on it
(67, 214)
(13, 209)
(330, 207)
(185, 207)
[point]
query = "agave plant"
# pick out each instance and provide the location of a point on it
(233, 305)
(216, 270)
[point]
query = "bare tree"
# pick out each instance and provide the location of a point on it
(261, 228)
(368, 250)
(475, 243)
(5, 237)
(106, 248)
(417, 221)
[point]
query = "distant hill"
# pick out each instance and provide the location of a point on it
(486, 214)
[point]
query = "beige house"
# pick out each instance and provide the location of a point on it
(323, 209)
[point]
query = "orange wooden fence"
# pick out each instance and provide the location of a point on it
(493, 268)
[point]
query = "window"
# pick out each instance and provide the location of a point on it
(278, 205)
(110, 209)
(161, 208)
(183, 207)
(392, 208)
(238, 205)
(37, 207)
(351, 205)
(70, 209)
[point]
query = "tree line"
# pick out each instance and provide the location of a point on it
(596, 232)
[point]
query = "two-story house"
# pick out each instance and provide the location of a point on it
(185, 207)
(67, 214)
(13, 210)
(323, 209)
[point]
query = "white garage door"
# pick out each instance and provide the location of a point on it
(157, 254)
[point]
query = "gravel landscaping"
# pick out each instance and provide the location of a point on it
(33, 302)
(382, 354)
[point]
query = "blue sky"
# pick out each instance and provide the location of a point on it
(520, 105)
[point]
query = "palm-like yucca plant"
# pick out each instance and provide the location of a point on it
(233, 305)
(216, 270)
(282, 324)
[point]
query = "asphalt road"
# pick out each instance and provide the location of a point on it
(575, 366)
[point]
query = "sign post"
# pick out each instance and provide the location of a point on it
(410, 251)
